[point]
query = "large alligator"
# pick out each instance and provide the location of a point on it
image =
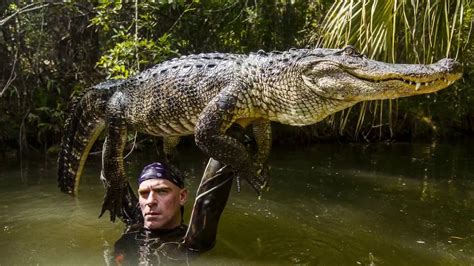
(207, 93)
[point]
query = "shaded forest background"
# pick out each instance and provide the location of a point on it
(50, 51)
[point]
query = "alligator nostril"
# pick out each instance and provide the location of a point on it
(450, 64)
(446, 62)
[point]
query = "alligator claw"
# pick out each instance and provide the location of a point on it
(113, 201)
(258, 182)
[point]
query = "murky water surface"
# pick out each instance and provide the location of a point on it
(397, 204)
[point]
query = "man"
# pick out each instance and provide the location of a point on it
(162, 237)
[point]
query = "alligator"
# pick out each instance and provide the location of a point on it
(205, 94)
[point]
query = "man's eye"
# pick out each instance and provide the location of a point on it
(162, 192)
(144, 194)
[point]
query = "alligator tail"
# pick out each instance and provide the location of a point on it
(85, 123)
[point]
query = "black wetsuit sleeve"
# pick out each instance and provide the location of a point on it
(211, 199)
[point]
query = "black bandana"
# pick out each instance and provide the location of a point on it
(160, 171)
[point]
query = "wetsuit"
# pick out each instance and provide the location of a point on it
(143, 246)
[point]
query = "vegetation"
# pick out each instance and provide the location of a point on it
(51, 50)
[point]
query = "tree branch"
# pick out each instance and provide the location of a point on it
(12, 75)
(25, 9)
(33, 7)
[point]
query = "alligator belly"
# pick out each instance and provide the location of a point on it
(176, 127)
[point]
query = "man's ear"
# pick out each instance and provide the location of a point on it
(183, 196)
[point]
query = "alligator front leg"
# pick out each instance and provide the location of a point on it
(113, 172)
(210, 136)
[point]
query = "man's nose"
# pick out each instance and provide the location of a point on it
(151, 199)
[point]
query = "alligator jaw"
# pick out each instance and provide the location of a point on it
(442, 82)
(386, 81)
(421, 84)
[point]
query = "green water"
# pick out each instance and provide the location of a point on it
(338, 204)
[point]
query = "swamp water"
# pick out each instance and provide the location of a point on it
(331, 204)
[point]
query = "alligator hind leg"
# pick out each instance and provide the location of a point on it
(113, 172)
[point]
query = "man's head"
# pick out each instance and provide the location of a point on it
(161, 196)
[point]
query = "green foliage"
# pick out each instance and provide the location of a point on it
(129, 48)
(45, 47)
(123, 59)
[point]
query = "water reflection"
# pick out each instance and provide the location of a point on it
(407, 204)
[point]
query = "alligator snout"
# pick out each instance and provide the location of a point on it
(450, 65)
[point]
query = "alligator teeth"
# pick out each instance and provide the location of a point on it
(418, 84)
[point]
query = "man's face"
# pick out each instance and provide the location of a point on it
(160, 202)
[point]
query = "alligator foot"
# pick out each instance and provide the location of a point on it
(257, 181)
(113, 201)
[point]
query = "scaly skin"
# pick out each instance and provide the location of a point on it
(207, 93)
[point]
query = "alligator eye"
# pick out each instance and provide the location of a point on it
(351, 51)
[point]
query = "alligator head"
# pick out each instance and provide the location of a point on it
(347, 75)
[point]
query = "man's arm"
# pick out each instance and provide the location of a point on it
(211, 199)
